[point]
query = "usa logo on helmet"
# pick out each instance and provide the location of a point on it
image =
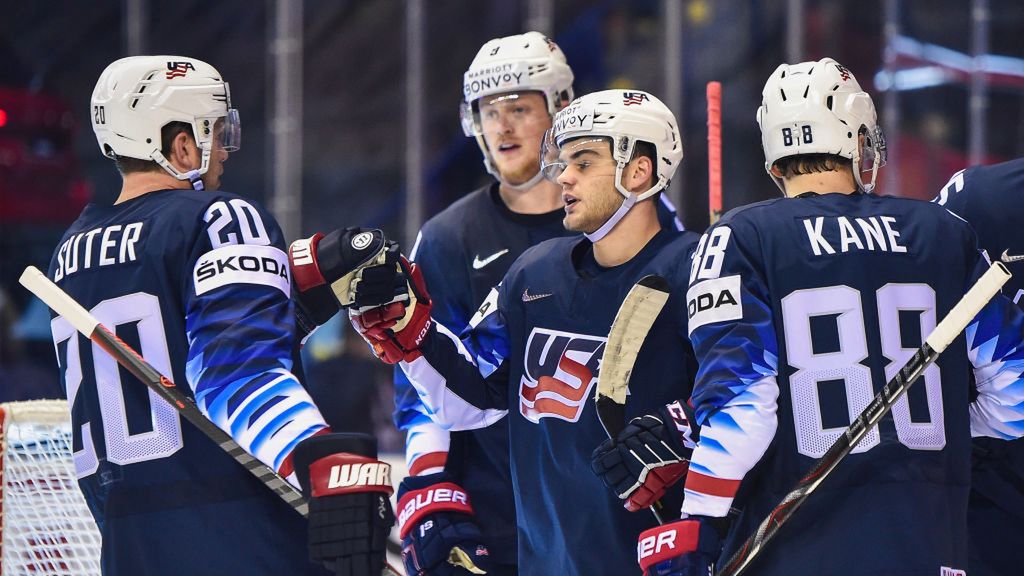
(559, 370)
(179, 69)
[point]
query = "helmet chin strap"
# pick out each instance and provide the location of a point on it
(194, 177)
(857, 175)
(533, 181)
(630, 199)
(605, 228)
(493, 170)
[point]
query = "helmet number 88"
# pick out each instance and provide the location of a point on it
(805, 135)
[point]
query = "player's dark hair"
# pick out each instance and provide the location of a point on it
(809, 163)
(168, 133)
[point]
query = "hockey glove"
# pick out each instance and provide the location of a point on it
(439, 535)
(650, 454)
(348, 267)
(350, 513)
(683, 548)
(396, 331)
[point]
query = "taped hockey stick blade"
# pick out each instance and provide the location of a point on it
(632, 322)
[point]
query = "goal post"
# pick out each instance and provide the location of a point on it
(45, 524)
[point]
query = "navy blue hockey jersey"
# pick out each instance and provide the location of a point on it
(198, 283)
(464, 252)
(533, 354)
(800, 310)
(990, 199)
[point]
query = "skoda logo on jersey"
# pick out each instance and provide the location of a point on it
(362, 240)
(559, 370)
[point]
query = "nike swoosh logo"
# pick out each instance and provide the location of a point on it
(527, 297)
(478, 263)
(1007, 258)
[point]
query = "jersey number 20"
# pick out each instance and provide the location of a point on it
(122, 447)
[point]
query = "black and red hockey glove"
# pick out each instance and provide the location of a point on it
(683, 548)
(650, 454)
(350, 267)
(438, 531)
(395, 331)
(350, 513)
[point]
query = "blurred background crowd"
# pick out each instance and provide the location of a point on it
(350, 116)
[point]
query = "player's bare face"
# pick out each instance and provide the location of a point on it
(513, 126)
(588, 184)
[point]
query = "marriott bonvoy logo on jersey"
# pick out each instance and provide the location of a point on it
(559, 370)
(242, 264)
(713, 301)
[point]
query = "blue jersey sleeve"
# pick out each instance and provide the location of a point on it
(735, 393)
(426, 443)
(995, 346)
(240, 328)
(463, 382)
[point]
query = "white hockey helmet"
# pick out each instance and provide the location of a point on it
(624, 117)
(529, 62)
(136, 97)
(819, 108)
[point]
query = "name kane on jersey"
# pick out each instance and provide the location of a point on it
(871, 233)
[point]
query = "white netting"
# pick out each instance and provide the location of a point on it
(46, 526)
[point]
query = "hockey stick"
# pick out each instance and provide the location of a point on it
(64, 305)
(951, 326)
(714, 94)
(632, 322)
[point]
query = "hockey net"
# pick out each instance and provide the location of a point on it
(45, 525)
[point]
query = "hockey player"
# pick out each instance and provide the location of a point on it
(532, 352)
(802, 308)
(197, 281)
(989, 197)
(512, 89)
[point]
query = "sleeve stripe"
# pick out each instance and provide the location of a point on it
(266, 406)
(704, 484)
(431, 460)
(242, 393)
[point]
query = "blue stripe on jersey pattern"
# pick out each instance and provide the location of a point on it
(488, 342)
(993, 339)
(264, 408)
(240, 370)
(746, 353)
